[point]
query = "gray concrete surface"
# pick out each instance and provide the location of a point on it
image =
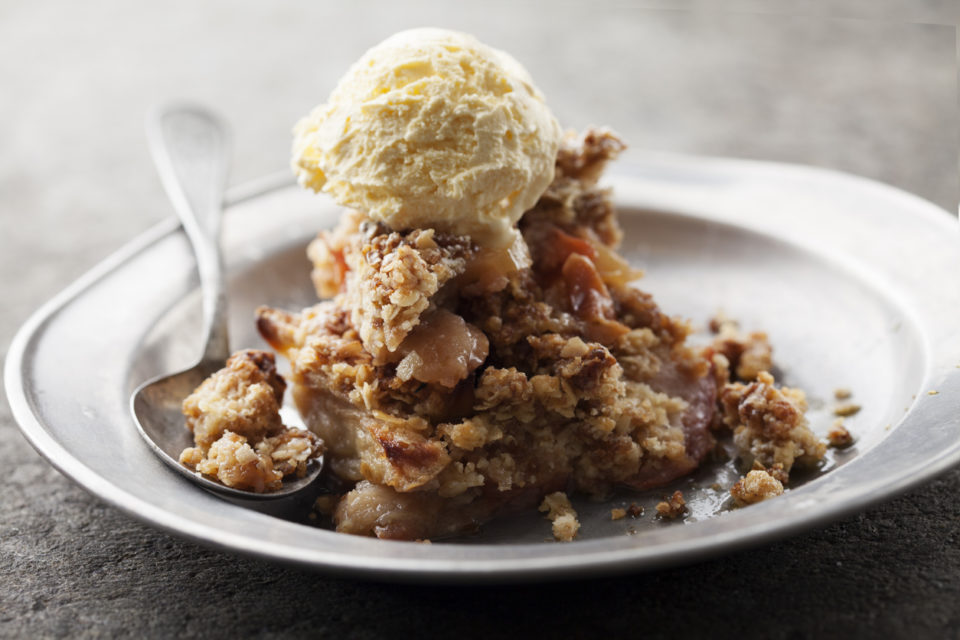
(872, 92)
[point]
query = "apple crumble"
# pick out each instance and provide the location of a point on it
(452, 382)
(481, 346)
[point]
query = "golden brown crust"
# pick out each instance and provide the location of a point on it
(747, 354)
(239, 436)
(769, 425)
(244, 398)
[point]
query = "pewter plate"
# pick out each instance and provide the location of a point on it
(856, 283)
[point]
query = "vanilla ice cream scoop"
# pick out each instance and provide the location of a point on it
(432, 129)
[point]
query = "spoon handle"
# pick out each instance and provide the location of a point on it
(190, 146)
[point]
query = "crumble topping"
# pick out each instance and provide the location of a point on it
(747, 354)
(769, 425)
(235, 419)
(389, 278)
(776, 471)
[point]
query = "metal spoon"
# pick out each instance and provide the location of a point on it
(190, 147)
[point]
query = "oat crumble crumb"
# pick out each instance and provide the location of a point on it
(238, 435)
(673, 506)
(838, 436)
(757, 486)
(748, 354)
(618, 514)
(846, 410)
(561, 513)
(634, 510)
(769, 424)
(777, 471)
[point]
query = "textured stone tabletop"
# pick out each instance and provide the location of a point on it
(867, 96)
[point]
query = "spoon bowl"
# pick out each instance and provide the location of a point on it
(190, 149)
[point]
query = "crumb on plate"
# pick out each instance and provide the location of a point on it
(838, 436)
(758, 485)
(562, 514)
(846, 410)
(769, 424)
(672, 507)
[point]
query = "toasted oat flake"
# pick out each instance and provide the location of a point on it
(842, 393)
(846, 410)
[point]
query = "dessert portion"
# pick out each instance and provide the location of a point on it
(483, 347)
(453, 381)
(235, 419)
